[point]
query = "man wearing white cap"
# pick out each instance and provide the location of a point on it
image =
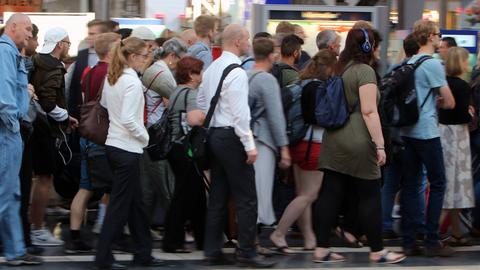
(147, 35)
(49, 128)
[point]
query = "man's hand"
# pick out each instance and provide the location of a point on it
(73, 123)
(31, 92)
(251, 156)
(285, 159)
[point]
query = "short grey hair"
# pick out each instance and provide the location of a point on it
(326, 38)
(173, 45)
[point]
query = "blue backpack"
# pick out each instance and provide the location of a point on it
(331, 109)
(292, 107)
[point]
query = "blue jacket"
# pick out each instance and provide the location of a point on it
(14, 98)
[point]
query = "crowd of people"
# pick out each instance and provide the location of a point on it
(248, 102)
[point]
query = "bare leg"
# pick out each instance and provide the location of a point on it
(455, 223)
(40, 195)
(308, 184)
(77, 209)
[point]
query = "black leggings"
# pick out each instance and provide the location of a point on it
(329, 203)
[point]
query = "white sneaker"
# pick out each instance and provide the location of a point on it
(57, 211)
(44, 237)
(97, 228)
(156, 236)
(396, 212)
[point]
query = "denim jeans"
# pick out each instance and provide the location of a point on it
(11, 229)
(392, 177)
(429, 153)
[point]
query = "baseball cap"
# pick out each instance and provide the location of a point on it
(52, 37)
(143, 32)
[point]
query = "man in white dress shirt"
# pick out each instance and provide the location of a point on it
(232, 151)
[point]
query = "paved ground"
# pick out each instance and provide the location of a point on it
(466, 258)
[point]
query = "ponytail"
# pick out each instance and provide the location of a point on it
(120, 53)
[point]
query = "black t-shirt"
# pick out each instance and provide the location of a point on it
(458, 115)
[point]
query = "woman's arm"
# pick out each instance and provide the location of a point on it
(368, 102)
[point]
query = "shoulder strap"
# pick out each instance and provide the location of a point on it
(87, 85)
(185, 97)
(421, 60)
(100, 91)
(246, 60)
(178, 95)
(214, 101)
(253, 76)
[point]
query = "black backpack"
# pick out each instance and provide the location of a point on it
(398, 103)
(277, 72)
(160, 134)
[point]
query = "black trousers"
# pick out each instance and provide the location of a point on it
(189, 202)
(26, 172)
(126, 205)
(230, 176)
(335, 188)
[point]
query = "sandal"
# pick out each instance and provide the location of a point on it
(264, 251)
(384, 258)
(328, 258)
(342, 235)
(461, 241)
(283, 250)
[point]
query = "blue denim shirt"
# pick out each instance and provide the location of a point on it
(14, 96)
(201, 51)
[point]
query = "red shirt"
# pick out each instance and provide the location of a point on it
(97, 75)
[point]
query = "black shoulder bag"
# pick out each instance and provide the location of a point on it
(197, 139)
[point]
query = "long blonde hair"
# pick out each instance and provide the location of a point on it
(456, 56)
(120, 53)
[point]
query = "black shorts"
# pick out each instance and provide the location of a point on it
(43, 151)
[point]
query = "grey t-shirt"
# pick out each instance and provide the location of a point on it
(268, 120)
(179, 107)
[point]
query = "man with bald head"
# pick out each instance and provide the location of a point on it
(232, 151)
(189, 37)
(14, 100)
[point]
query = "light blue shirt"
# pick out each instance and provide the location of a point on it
(14, 98)
(201, 51)
(429, 75)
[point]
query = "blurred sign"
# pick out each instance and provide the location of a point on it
(467, 39)
(20, 5)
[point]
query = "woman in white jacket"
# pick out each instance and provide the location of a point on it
(123, 97)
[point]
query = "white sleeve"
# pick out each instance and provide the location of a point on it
(58, 114)
(236, 95)
(128, 117)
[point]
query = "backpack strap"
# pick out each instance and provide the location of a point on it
(415, 66)
(255, 117)
(246, 60)
(216, 97)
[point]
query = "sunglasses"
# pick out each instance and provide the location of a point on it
(438, 34)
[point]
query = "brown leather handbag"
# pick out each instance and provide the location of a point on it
(94, 120)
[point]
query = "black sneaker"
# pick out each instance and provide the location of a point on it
(413, 251)
(26, 259)
(390, 235)
(255, 262)
(77, 246)
(440, 250)
(35, 250)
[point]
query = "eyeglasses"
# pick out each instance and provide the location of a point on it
(438, 34)
(145, 56)
(68, 42)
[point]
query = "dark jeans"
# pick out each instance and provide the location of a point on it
(189, 202)
(126, 205)
(334, 189)
(26, 172)
(392, 178)
(417, 153)
(230, 176)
